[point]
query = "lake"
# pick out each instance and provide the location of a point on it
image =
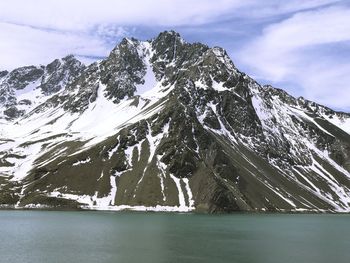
(87, 236)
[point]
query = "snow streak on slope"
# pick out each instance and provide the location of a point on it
(102, 119)
(342, 123)
(150, 81)
(302, 147)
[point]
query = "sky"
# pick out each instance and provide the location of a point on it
(301, 46)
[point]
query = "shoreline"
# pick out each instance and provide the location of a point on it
(165, 209)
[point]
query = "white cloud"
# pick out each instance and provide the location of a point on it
(81, 14)
(328, 84)
(271, 8)
(22, 45)
(38, 31)
(287, 52)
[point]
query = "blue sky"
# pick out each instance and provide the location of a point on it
(302, 46)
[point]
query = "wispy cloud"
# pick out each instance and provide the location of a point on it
(290, 51)
(23, 45)
(82, 14)
(38, 31)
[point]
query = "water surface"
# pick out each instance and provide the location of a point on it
(47, 236)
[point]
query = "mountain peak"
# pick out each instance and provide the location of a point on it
(70, 57)
(3, 73)
(167, 125)
(169, 34)
(169, 37)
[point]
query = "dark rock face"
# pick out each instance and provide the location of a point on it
(21, 77)
(206, 137)
(3, 73)
(48, 79)
(60, 73)
(13, 113)
(122, 70)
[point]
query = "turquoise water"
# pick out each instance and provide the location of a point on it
(46, 236)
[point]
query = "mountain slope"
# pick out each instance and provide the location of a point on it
(168, 125)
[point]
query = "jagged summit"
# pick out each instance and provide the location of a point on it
(166, 125)
(169, 38)
(24, 88)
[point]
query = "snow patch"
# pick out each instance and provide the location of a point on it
(149, 78)
(260, 109)
(87, 160)
(182, 202)
(189, 193)
(342, 123)
(113, 189)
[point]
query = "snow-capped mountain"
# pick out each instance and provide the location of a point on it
(166, 125)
